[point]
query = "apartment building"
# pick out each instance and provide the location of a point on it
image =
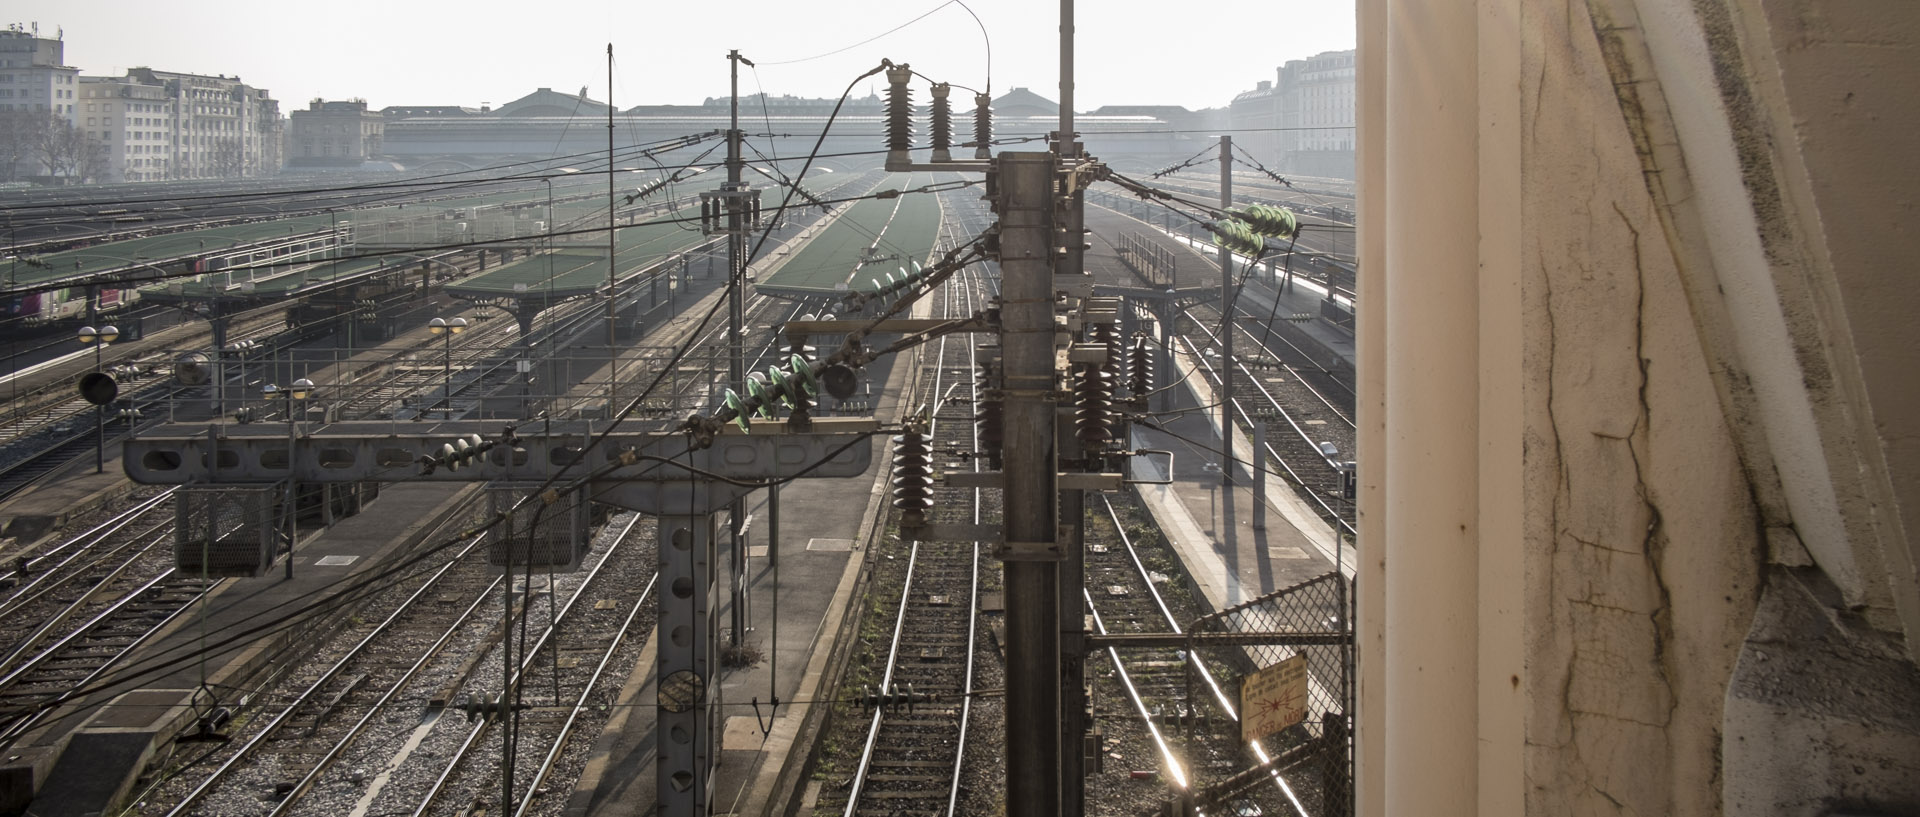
(170, 125)
(1302, 121)
(33, 73)
(334, 134)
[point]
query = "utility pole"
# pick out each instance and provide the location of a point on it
(1226, 318)
(736, 353)
(613, 303)
(1070, 571)
(1031, 549)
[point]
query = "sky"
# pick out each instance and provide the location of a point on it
(410, 52)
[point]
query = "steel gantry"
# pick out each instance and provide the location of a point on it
(683, 479)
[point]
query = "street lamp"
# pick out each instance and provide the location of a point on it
(446, 329)
(293, 394)
(99, 338)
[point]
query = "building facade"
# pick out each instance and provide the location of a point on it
(169, 125)
(33, 73)
(334, 135)
(134, 123)
(35, 83)
(1302, 122)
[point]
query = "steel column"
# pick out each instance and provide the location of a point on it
(1226, 319)
(1026, 183)
(688, 695)
(736, 352)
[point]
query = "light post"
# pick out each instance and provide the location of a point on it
(446, 329)
(99, 338)
(294, 395)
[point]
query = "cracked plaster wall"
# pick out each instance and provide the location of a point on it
(1716, 370)
(1643, 543)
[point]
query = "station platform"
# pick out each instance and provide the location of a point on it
(1239, 540)
(77, 766)
(801, 590)
(886, 235)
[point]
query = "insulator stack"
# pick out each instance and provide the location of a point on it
(899, 118)
(912, 477)
(942, 124)
(1235, 235)
(1093, 412)
(1140, 370)
(982, 126)
(709, 215)
(1108, 335)
(799, 398)
(989, 418)
(777, 386)
(1274, 222)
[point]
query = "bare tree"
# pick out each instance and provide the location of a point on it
(17, 139)
(92, 165)
(228, 159)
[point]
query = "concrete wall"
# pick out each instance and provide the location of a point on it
(1638, 448)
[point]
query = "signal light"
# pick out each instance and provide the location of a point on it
(839, 380)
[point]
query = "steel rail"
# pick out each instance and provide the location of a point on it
(857, 787)
(340, 746)
(20, 727)
(54, 621)
(81, 543)
(971, 281)
(259, 739)
(1327, 510)
(580, 704)
(13, 677)
(532, 655)
(1120, 674)
(1213, 685)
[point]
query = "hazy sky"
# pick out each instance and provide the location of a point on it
(411, 52)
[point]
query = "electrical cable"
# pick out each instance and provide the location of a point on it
(124, 281)
(387, 579)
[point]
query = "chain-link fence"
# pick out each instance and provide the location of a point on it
(1314, 757)
(558, 540)
(227, 530)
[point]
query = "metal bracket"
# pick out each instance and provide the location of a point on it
(1081, 481)
(1146, 451)
(958, 532)
(1034, 551)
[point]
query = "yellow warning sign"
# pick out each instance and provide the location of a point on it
(1273, 698)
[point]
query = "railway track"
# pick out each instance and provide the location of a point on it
(1307, 438)
(911, 755)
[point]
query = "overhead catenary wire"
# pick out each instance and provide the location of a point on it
(386, 579)
(147, 277)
